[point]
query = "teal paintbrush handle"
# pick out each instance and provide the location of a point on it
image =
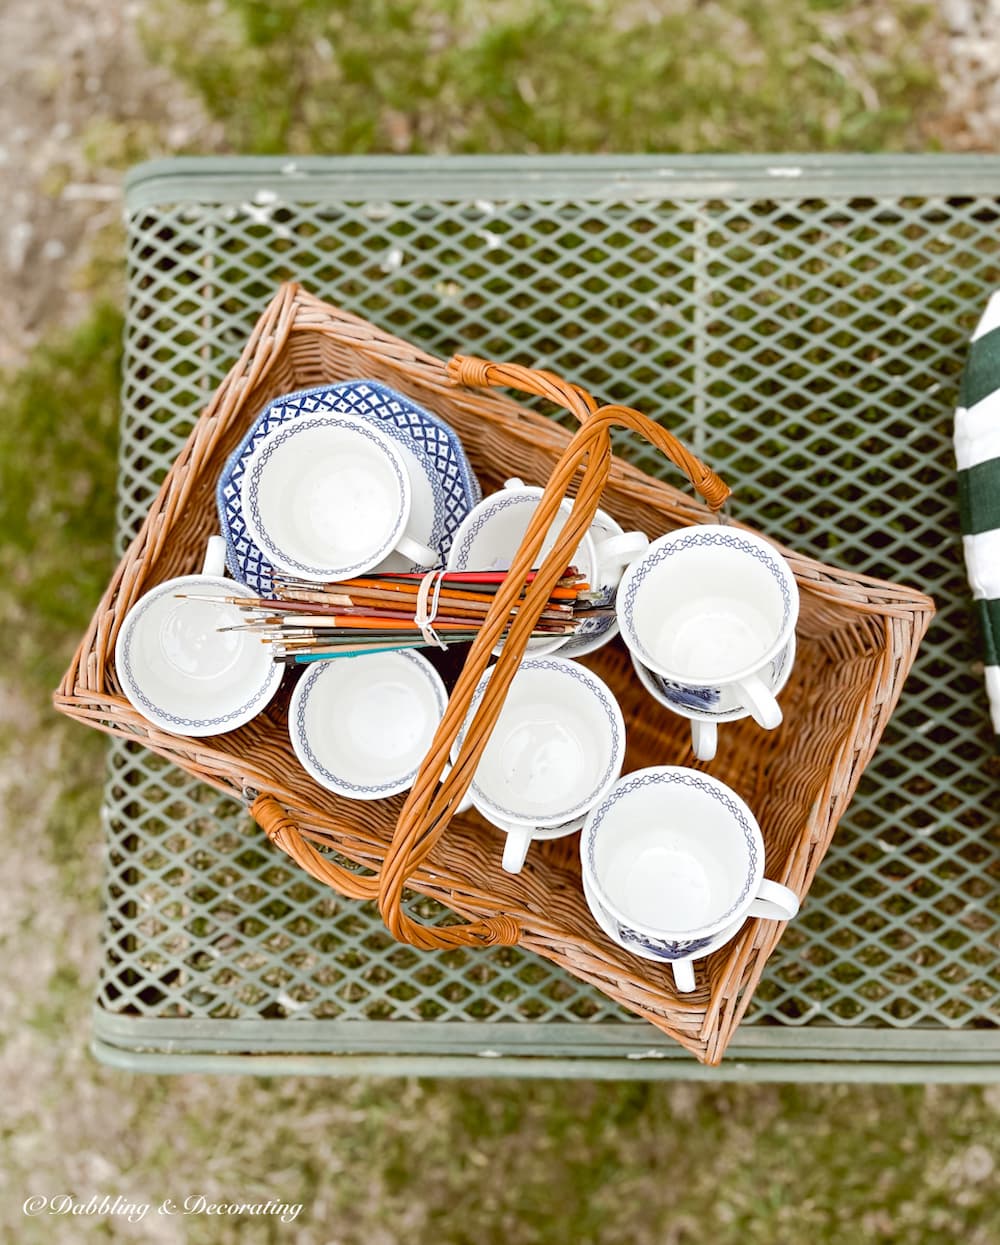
(303, 658)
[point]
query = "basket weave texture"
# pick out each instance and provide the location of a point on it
(856, 640)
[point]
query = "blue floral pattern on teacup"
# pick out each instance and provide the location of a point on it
(688, 696)
(663, 948)
(708, 700)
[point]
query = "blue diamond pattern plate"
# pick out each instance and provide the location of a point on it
(430, 440)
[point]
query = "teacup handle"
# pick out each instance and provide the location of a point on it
(683, 975)
(760, 700)
(515, 848)
(774, 902)
(704, 739)
(618, 551)
(515, 482)
(215, 557)
(420, 554)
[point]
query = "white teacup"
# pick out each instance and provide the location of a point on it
(705, 719)
(617, 548)
(491, 532)
(177, 666)
(328, 497)
(708, 609)
(362, 725)
(674, 858)
(683, 968)
(557, 747)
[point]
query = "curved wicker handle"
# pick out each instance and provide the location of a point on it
(464, 369)
(467, 370)
(431, 803)
(283, 833)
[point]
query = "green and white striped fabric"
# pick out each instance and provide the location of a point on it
(977, 453)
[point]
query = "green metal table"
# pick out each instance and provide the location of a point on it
(802, 323)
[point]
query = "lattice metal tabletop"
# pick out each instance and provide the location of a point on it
(802, 325)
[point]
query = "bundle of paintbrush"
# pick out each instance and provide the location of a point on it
(304, 621)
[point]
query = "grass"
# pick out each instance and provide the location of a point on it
(553, 75)
(58, 435)
(561, 1164)
(380, 1162)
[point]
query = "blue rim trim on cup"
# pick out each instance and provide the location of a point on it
(491, 507)
(300, 737)
(670, 774)
(496, 503)
(701, 536)
(287, 432)
(146, 706)
(612, 712)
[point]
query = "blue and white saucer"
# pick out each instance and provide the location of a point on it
(647, 949)
(444, 486)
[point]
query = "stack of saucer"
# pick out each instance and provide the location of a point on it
(442, 486)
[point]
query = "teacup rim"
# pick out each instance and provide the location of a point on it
(692, 777)
(500, 499)
(267, 544)
(610, 777)
(311, 764)
(193, 728)
(628, 587)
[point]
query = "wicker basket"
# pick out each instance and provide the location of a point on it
(857, 638)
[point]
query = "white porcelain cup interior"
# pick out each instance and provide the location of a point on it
(177, 664)
(491, 533)
(556, 748)
(711, 605)
(489, 537)
(361, 726)
(330, 497)
(678, 856)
